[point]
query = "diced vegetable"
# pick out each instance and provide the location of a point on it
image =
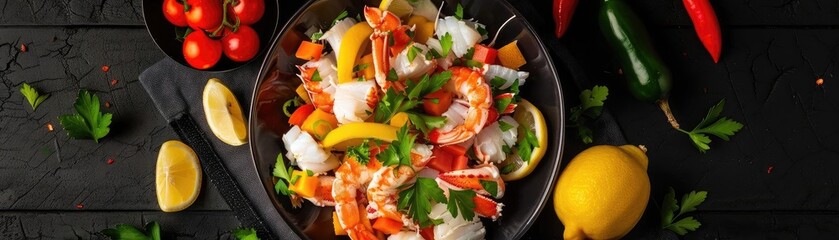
(300, 115)
(437, 103)
(350, 46)
(484, 54)
(303, 185)
(309, 51)
(510, 56)
(319, 123)
(400, 41)
(427, 233)
(441, 160)
(460, 163)
(387, 225)
(301, 92)
(492, 117)
(455, 150)
(424, 28)
(399, 119)
(336, 225)
(369, 71)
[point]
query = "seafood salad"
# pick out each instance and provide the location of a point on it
(404, 123)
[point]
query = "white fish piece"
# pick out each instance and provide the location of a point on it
(455, 227)
(336, 33)
(405, 235)
(354, 101)
(306, 153)
(509, 75)
(456, 114)
(413, 69)
(490, 142)
(328, 71)
(463, 36)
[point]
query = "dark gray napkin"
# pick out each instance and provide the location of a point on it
(177, 92)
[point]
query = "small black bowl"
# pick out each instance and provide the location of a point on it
(164, 34)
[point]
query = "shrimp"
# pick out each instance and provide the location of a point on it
(386, 28)
(351, 177)
(466, 84)
(384, 188)
(355, 101)
(305, 152)
(319, 79)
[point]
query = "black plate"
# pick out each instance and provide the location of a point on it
(523, 200)
(164, 34)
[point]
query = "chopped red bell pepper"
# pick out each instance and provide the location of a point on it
(484, 54)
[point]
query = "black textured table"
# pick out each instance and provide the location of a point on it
(776, 178)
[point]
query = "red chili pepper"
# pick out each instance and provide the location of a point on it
(563, 11)
(706, 25)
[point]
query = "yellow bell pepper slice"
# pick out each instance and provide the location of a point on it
(360, 130)
(301, 92)
(319, 123)
(350, 46)
(399, 119)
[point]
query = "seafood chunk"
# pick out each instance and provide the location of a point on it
(455, 227)
(468, 85)
(463, 36)
(355, 101)
(383, 191)
(336, 33)
(407, 69)
(490, 142)
(509, 75)
(305, 152)
(320, 81)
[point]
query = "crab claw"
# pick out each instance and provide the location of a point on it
(487, 208)
(381, 20)
(476, 179)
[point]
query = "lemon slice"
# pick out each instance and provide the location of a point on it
(529, 117)
(400, 8)
(178, 176)
(224, 114)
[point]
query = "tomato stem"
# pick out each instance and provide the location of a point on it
(224, 23)
(665, 107)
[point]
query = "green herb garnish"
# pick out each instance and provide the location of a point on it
(245, 234)
(360, 153)
(88, 122)
(417, 200)
(713, 124)
(689, 203)
(284, 175)
(591, 105)
(128, 232)
(461, 201)
(32, 96)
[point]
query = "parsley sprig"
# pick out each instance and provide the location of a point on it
(526, 145)
(32, 95)
(394, 102)
(590, 108)
(425, 123)
(458, 13)
(360, 153)
(284, 175)
(89, 122)
(461, 201)
(399, 151)
(128, 232)
(689, 203)
(245, 234)
(713, 124)
(416, 200)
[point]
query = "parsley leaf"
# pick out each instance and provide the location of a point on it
(426, 123)
(526, 145)
(502, 103)
(461, 201)
(713, 124)
(391, 75)
(88, 122)
(504, 126)
(316, 76)
(360, 67)
(417, 200)
(316, 36)
(689, 203)
(490, 186)
(469, 53)
(245, 234)
(482, 30)
(360, 153)
(412, 53)
(284, 175)
(393, 102)
(128, 232)
(590, 108)
(446, 43)
(32, 95)
(399, 151)
(458, 13)
(340, 17)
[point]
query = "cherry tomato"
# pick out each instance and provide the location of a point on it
(204, 14)
(241, 45)
(200, 51)
(249, 11)
(173, 10)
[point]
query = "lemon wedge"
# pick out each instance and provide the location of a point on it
(400, 8)
(177, 176)
(224, 116)
(353, 133)
(529, 118)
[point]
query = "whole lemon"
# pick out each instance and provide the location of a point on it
(603, 192)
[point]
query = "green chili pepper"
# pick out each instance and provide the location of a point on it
(646, 74)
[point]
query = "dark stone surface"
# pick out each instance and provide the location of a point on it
(773, 53)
